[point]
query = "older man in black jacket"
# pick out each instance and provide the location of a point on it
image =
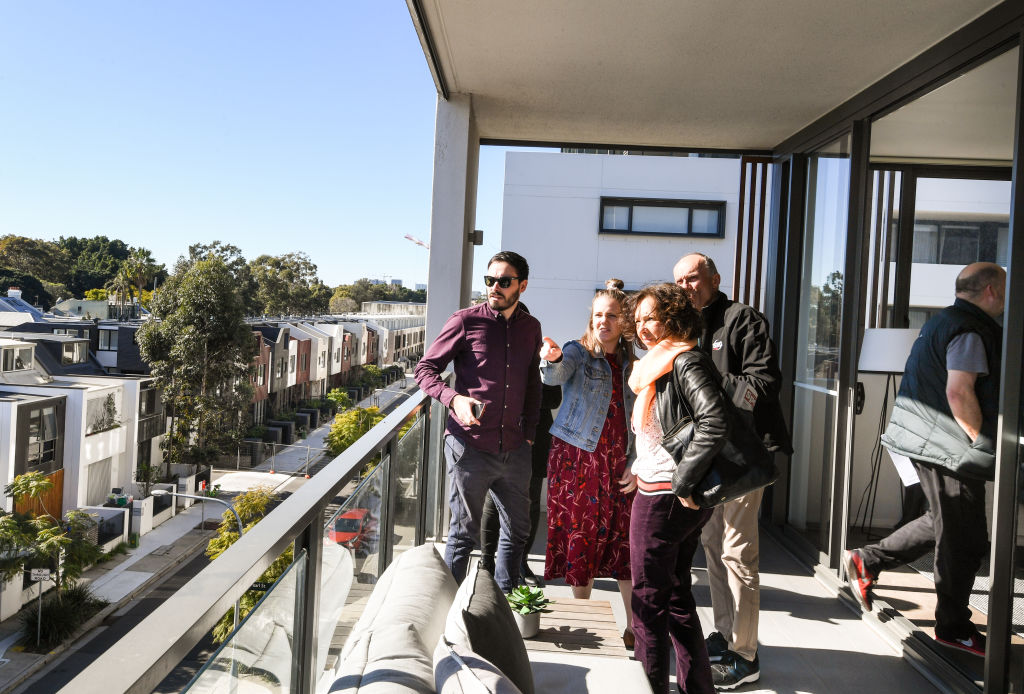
(737, 338)
(944, 420)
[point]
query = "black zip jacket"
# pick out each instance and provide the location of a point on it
(737, 338)
(691, 394)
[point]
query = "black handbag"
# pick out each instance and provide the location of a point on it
(742, 466)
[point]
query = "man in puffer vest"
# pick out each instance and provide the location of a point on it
(944, 421)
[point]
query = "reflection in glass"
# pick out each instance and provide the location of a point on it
(815, 398)
(408, 464)
(352, 535)
(258, 656)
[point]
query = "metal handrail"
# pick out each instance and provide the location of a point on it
(143, 657)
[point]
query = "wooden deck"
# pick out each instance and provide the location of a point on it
(584, 627)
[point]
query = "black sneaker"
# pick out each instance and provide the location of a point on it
(717, 646)
(733, 670)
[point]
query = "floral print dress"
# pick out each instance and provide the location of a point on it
(588, 515)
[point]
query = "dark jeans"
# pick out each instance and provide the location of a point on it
(490, 527)
(663, 536)
(955, 528)
(471, 474)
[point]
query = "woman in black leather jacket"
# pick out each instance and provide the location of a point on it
(681, 422)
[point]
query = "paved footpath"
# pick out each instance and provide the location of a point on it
(118, 581)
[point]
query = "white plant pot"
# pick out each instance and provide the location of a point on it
(529, 624)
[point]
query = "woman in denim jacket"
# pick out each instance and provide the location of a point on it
(590, 486)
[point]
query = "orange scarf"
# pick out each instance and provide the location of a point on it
(652, 366)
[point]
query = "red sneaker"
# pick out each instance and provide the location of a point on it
(860, 580)
(975, 643)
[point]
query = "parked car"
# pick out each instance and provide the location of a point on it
(355, 529)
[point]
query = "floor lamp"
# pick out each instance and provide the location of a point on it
(883, 351)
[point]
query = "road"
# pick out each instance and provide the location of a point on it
(83, 652)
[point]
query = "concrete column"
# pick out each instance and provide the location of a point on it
(453, 210)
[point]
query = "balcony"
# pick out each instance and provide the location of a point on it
(295, 634)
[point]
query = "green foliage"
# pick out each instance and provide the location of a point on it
(62, 616)
(340, 399)
(349, 426)
(121, 548)
(252, 506)
(27, 540)
(371, 376)
(288, 285)
(236, 263)
(95, 294)
(93, 262)
(363, 290)
(32, 289)
(200, 354)
(44, 260)
(527, 600)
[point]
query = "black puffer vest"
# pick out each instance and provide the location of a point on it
(922, 426)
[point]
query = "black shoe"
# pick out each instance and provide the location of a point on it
(733, 670)
(487, 563)
(717, 646)
(530, 578)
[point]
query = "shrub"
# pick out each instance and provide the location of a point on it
(62, 615)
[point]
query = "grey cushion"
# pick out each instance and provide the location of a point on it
(389, 649)
(416, 589)
(458, 670)
(481, 620)
(389, 659)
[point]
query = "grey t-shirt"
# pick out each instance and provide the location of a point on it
(966, 352)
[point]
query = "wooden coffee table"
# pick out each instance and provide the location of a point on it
(585, 627)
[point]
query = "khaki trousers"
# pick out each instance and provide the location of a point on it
(730, 545)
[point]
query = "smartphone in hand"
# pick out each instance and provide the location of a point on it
(478, 409)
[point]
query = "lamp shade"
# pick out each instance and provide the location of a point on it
(885, 350)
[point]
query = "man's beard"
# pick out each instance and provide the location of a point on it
(500, 303)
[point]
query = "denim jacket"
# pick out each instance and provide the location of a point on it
(586, 381)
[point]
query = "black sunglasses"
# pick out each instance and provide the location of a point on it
(503, 282)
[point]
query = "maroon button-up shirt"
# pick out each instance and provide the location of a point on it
(497, 362)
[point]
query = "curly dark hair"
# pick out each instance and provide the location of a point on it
(672, 308)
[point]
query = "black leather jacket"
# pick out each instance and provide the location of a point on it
(691, 393)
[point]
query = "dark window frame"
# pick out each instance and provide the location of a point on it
(718, 206)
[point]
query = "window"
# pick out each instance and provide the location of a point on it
(71, 332)
(73, 353)
(959, 243)
(704, 218)
(17, 359)
(42, 436)
(261, 378)
(101, 415)
(291, 364)
(108, 340)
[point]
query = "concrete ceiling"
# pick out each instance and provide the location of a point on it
(729, 74)
(967, 119)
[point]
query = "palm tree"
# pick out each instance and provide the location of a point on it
(120, 287)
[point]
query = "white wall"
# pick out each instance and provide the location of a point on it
(551, 215)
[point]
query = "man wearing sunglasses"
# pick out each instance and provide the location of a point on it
(493, 413)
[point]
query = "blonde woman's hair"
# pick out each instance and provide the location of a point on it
(612, 290)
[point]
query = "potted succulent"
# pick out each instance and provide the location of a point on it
(527, 603)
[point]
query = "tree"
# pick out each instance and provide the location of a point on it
(237, 264)
(139, 269)
(119, 287)
(252, 506)
(200, 352)
(364, 290)
(288, 285)
(42, 540)
(341, 302)
(340, 399)
(349, 426)
(32, 289)
(46, 261)
(371, 376)
(93, 262)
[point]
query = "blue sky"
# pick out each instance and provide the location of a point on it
(275, 126)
